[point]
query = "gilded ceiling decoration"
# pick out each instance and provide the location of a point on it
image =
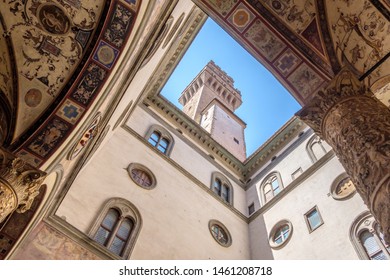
(6, 77)
(48, 40)
(285, 36)
(360, 33)
(63, 53)
(56, 43)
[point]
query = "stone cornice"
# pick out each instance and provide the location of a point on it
(181, 42)
(272, 146)
(184, 172)
(203, 138)
(196, 133)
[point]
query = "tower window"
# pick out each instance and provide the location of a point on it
(235, 140)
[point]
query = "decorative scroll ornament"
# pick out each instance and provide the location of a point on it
(92, 130)
(357, 126)
(345, 86)
(19, 184)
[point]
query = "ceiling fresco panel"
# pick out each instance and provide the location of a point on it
(97, 65)
(49, 40)
(360, 33)
(283, 35)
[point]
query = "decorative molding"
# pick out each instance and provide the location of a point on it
(275, 228)
(19, 184)
(147, 186)
(228, 242)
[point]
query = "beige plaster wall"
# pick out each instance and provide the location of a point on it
(175, 214)
(330, 240)
(197, 163)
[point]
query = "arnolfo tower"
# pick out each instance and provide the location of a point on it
(211, 99)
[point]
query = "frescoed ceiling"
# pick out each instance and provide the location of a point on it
(46, 40)
(56, 55)
(304, 43)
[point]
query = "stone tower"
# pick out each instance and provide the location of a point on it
(211, 99)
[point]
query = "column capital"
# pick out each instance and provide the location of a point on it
(343, 87)
(19, 184)
(357, 126)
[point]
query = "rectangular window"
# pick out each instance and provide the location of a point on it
(251, 209)
(235, 140)
(313, 219)
(296, 173)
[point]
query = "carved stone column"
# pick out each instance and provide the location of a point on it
(357, 126)
(19, 184)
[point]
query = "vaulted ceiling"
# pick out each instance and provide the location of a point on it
(55, 56)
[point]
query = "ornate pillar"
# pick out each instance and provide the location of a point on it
(19, 184)
(357, 126)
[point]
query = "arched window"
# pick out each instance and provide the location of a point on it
(221, 186)
(117, 227)
(315, 148)
(160, 138)
(367, 238)
(271, 186)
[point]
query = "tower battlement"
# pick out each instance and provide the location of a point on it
(211, 99)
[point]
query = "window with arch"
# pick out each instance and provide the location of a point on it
(271, 186)
(117, 227)
(160, 138)
(221, 186)
(315, 148)
(280, 234)
(367, 238)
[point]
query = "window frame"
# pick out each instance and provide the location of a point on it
(126, 210)
(164, 134)
(335, 185)
(366, 222)
(309, 227)
(251, 209)
(229, 240)
(309, 148)
(266, 181)
(274, 230)
(298, 172)
(143, 168)
(225, 183)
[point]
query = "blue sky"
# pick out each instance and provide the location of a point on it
(266, 106)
